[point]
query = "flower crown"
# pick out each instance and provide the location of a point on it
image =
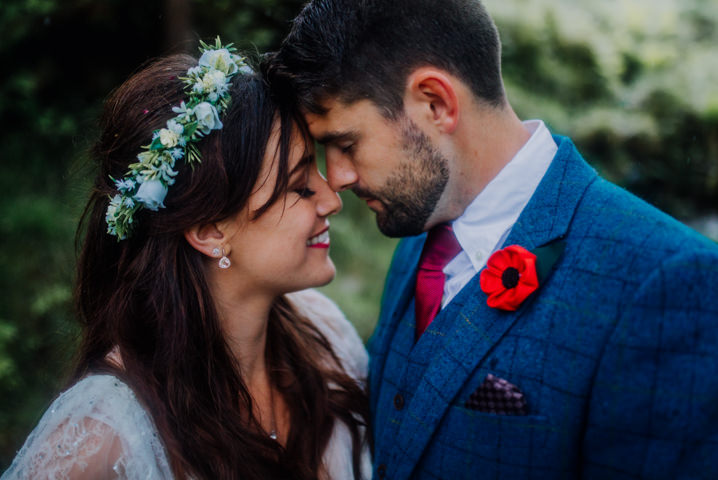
(145, 185)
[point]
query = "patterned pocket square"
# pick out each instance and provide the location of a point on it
(498, 396)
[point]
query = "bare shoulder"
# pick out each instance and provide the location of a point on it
(334, 325)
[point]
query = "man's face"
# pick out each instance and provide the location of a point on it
(392, 165)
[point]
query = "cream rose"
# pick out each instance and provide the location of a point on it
(168, 138)
(219, 60)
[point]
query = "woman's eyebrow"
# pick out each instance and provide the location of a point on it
(302, 164)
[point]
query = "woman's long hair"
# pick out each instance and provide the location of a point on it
(148, 296)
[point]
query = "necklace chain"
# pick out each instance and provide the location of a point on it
(273, 432)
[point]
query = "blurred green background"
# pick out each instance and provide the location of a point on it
(634, 83)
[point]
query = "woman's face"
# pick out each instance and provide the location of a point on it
(287, 247)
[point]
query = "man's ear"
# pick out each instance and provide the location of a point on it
(206, 238)
(431, 95)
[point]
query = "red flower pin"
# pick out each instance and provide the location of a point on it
(509, 277)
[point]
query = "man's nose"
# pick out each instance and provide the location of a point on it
(341, 174)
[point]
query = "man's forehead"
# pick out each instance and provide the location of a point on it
(325, 126)
(329, 108)
(339, 116)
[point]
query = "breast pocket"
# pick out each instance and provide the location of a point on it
(489, 430)
(469, 444)
(468, 441)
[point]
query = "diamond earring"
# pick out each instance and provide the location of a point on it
(224, 261)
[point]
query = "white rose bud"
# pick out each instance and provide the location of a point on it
(207, 117)
(151, 194)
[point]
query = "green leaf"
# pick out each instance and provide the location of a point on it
(190, 128)
(156, 144)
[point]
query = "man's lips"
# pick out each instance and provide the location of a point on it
(321, 240)
(372, 202)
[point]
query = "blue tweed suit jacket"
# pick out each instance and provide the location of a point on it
(616, 352)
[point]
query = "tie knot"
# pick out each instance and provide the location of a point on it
(440, 248)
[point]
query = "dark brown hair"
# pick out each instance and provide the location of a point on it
(365, 49)
(148, 296)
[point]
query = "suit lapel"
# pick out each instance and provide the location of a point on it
(477, 328)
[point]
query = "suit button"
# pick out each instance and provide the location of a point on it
(381, 471)
(398, 401)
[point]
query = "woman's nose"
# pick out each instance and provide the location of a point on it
(328, 201)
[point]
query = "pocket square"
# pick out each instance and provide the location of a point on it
(496, 395)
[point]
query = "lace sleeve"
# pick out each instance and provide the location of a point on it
(336, 328)
(96, 429)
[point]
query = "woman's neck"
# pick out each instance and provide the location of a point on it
(244, 316)
(244, 321)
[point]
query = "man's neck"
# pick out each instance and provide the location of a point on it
(485, 143)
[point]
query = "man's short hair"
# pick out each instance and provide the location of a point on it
(365, 49)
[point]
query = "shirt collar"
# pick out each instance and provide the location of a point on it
(490, 216)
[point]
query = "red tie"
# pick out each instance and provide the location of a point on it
(440, 248)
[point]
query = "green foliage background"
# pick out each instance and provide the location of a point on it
(632, 82)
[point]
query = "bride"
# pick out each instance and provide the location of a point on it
(196, 361)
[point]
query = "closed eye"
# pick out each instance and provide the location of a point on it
(305, 192)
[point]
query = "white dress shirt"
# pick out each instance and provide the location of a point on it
(487, 221)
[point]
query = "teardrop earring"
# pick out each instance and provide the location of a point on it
(224, 262)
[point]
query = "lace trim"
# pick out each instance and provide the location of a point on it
(95, 429)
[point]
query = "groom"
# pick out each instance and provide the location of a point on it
(588, 348)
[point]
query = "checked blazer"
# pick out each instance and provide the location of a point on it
(616, 353)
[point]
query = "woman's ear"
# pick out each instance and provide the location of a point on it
(207, 239)
(431, 96)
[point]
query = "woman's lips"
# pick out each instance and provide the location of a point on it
(319, 241)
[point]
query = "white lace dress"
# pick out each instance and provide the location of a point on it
(98, 429)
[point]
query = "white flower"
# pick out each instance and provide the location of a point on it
(168, 138)
(125, 184)
(207, 117)
(147, 158)
(183, 112)
(167, 173)
(219, 79)
(115, 203)
(220, 60)
(151, 194)
(177, 153)
(214, 80)
(174, 126)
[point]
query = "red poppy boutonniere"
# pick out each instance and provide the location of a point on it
(513, 273)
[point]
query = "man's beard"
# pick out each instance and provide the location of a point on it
(410, 195)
